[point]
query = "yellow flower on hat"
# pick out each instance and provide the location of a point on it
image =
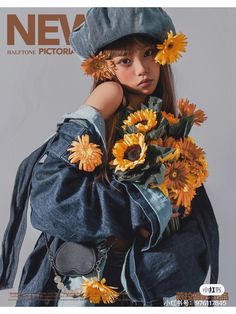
(96, 291)
(170, 50)
(129, 152)
(144, 120)
(99, 66)
(86, 155)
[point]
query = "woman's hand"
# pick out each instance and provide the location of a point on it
(106, 98)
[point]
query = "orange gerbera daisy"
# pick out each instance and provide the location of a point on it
(86, 155)
(129, 152)
(99, 66)
(171, 48)
(96, 291)
(189, 149)
(176, 175)
(170, 117)
(144, 120)
(170, 142)
(183, 196)
(186, 109)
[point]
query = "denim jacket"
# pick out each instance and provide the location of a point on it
(69, 205)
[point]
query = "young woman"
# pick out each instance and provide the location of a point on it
(75, 197)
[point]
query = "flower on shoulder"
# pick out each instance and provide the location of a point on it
(99, 66)
(129, 152)
(170, 50)
(87, 155)
(170, 117)
(144, 120)
(96, 291)
(186, 109)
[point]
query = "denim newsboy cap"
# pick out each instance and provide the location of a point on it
(102, 26)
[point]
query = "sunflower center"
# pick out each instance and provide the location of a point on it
(144, 122)
(170, 45)
(132, 152)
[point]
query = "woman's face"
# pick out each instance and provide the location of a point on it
(136, 67)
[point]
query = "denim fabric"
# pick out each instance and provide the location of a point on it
(105, 25)
(69, 205)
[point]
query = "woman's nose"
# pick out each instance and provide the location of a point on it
(140, 67)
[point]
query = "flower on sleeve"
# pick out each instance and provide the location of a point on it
(85, 154)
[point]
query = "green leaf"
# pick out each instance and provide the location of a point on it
(157, 177)
(182, 128)
(131, 129)
(156, 133)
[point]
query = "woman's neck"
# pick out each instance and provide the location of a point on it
(136, 100)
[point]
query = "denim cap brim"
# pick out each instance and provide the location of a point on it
(102, 26)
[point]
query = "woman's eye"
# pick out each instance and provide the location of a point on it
(149, 52)
(124, 61)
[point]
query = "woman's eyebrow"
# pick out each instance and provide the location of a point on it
(128, 53)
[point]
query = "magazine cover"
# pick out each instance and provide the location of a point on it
(116, 162)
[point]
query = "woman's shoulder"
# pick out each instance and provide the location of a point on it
(106, 95)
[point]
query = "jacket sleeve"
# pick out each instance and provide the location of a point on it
(179, 263)
(69, 203)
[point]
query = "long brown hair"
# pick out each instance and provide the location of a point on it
(164, 89)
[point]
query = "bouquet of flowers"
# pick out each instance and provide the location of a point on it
(154, 148)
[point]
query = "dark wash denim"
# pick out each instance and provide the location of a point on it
(69, 205)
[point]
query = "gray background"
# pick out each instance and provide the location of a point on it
(37, 90)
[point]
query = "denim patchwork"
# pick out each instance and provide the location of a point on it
(69, 205)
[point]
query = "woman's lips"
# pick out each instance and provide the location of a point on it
(146, 83)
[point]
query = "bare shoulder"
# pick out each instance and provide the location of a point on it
(106, 94)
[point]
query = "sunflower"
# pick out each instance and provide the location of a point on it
(96, 291)
(99, 66)
(144, 120)
(186, 109)
(129, 152)
(170, 117)
(189, 149)
(176, 175)
(170, 50)
(86, 155)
